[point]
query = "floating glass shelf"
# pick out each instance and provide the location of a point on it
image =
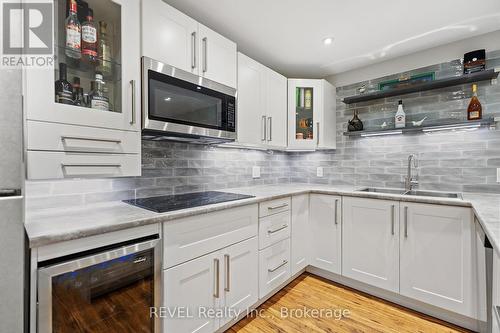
(436, 84)
(442, 126)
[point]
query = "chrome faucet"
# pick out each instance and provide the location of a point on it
(411, 181)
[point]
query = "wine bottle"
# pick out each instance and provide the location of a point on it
(73, 33)
(63, 89)
(104, 49)
(475, 110)
(89, 38)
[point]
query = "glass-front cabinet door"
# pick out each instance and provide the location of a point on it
(94, 80)
(303, 106)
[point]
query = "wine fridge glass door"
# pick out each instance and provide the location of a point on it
(110, 291)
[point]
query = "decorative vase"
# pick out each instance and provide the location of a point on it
(355, 124)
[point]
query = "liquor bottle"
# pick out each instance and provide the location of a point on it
(73, 33)
(308, 99)
(98, 98)
(89, 38)
(63, 89)
(104, 49)
(78, 97)
(400, 117)
(76, 86)
(475, 110)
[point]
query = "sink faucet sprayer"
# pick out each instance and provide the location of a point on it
(411, 181)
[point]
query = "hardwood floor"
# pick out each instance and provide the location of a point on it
(365, 313)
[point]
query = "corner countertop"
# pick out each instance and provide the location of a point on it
(48, 226)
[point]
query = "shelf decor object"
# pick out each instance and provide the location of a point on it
(407, 82)
(436, 84)
(442, 126)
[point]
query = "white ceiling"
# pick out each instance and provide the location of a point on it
(287, 35)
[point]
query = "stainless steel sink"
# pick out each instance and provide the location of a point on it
(382, 190)
(434, 194)
(413, 192)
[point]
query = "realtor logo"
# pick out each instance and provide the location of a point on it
(27, 37)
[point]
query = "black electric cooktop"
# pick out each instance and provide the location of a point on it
(168, 203)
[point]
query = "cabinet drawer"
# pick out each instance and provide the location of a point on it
(55, 165)
(191, 237)
(72, 138)
(274, 228)
(274, 206)
(274, 267)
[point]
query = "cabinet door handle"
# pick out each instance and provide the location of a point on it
(205, 54)
(336, 210)
(317, 133)
(277, 207)
(284, 226)
(84, 138)
(132, 83)
(270, 270)
(92, 165)
(193, 50)
(270, 119)
(392, 219)
(216, 278)
(406, 222)
(264, 128)
(227, 260)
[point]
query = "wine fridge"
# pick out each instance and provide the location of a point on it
(110, 289)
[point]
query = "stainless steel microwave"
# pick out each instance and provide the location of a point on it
(178, 105)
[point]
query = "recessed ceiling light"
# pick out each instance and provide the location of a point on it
(168, 99)
(328, 40)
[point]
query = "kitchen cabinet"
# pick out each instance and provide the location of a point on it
(223, 279)
(103, 115)
(300, 233)
(311, 115)
(175, 39)
(325, 223)
(262, 115)
(370, 241)
(436, 256)
(169, 36)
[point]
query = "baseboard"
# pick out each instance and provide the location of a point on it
(430, 310)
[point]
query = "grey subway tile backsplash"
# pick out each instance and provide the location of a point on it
(448, 161)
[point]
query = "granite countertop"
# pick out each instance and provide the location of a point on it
(48, 226)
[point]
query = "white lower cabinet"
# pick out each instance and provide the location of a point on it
(300, 233)
(325, 232)
(274, 267)
(370, 246)
(437, 261)
(225, 281)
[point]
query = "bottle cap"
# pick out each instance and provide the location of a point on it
(400, 102)
(98, 75)
(62, 67)
(76, 80)
(90, 12)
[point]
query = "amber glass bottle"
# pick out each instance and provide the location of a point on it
(474, 111)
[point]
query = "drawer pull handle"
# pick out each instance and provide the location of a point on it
(277, 207)
(63, 138)
(284, 226)
(216, 278)
(140, 260)
(270, 270)
(104, 165)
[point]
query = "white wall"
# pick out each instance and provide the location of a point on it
(436, 55)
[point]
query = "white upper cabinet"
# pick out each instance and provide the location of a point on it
(325, 232)
(217, 56)
(370, 247)
(175, 39)
(311, 114)
(436, 256)
(120, 69)
(169, 36)
(262, 117)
